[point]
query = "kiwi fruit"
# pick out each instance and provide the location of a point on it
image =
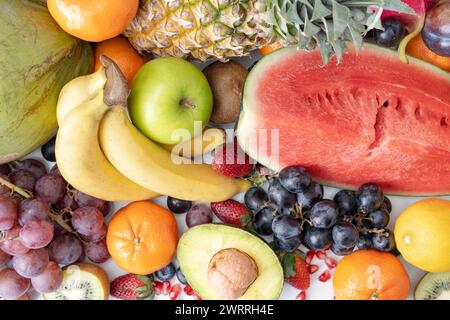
(433, 286)
(227, 84)
(83, 281)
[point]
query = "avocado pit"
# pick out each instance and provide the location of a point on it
(231, 272)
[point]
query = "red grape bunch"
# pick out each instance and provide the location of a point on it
(45, 224)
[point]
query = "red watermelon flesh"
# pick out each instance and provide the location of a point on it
(369, 118)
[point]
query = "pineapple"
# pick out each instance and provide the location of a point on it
(220, 29)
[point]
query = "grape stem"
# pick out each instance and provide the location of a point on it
(52, 214)
(15, 188)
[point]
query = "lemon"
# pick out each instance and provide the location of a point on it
(422, 235)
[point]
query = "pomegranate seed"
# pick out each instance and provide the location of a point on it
(165, 288)
(158, 287)
(330, 262)
(312, 268)
(196, 296)
(325, 276)
(321, 255)
(309, 256)
(301, 295)
(188, 290)
(174, 292)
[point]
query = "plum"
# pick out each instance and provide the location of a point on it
(436, 32)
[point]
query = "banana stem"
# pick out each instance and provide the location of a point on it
(52, 214)
(407, 39)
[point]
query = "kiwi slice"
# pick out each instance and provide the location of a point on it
(82, 282)
(433, 286)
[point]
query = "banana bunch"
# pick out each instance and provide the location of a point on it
(101, 153)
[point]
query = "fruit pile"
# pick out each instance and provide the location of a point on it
(294, 211)
(145, 121)
(44, 223)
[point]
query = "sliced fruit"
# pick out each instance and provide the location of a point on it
(433, 286)
(210, 253)
(35, 64)
(369, 118)
(82, 281)
(422, 234)
(142, 237)
(370, 275)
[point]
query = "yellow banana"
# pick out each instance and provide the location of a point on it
(79, 91)
(209, 140)
(80, 158)
(151, 166)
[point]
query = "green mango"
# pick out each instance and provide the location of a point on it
(37, 58)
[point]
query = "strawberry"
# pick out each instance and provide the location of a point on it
(296, 271)
(232, 212)
(229, 160)
(133, 287)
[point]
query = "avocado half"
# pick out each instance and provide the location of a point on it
(199, 245)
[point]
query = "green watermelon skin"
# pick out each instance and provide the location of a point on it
(369, 118)
(37, 58)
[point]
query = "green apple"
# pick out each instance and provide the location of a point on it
(169, 96)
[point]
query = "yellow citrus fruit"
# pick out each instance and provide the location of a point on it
(422, 235)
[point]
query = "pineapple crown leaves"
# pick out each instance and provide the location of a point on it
(328, 24)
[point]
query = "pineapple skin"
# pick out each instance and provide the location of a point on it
(198, 29)
(221, 29)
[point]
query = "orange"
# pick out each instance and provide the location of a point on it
(370, 275)
(417, 48)
(264, 51)
(142, 237)
(122, 52)
(93, 20)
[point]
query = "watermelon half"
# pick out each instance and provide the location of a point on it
(369, 118)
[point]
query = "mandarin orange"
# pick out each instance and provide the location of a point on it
(122, 52)
(370, 275)
(142, 237)
(93, 20)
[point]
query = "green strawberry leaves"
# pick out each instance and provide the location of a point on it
(288, 263)
(147, 290)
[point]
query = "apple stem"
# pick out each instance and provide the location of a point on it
(187, 104)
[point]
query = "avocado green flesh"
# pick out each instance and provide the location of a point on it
(199, 244)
